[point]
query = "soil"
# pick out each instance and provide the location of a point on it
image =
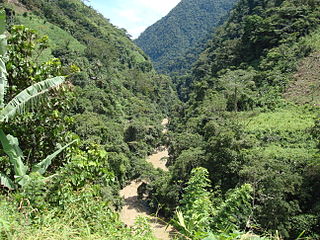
(135, 207)
(305, 86)
(19, 7)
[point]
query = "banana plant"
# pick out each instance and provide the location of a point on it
(18, 105)
(11, 147)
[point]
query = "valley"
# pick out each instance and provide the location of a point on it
(135, 207)
(88, 150)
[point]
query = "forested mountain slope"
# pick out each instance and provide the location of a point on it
(112, 104)
(182, 32)
(81, 107)
(241, 125)
(116, 84)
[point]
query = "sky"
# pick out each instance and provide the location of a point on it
(133, 15)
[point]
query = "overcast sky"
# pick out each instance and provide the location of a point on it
(134, 15)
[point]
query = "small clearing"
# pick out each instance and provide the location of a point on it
(305, 87)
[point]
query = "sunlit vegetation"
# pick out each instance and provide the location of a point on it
(81, 107)
(241, 124)
(175, 41)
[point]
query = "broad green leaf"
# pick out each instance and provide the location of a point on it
(27, 97)
(2, 21)
(43, 165)
(3, 81)
(6, 181)
(11, 147)
(3, 44)
(22, 180)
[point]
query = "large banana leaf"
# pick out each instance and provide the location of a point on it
(42, 166)
(3, 44)
(6, 181)
(24, 99)
(11, 147)
(3, 81)
(2, 21)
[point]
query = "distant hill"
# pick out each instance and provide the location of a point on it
(172, 42)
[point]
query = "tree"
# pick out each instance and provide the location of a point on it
(193, 218)
(18, 105)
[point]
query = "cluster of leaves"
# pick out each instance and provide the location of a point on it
(238, 126)
(82, 220)
(171, 42)
(205, 215)
(119, 97)
(115, 107)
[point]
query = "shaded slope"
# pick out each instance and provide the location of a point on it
(183, 28)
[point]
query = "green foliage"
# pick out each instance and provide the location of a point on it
(202, 213)
(235, 212)
(118, 103)
(235, 130)
(86, 220)
(171, 42)
(37, 136)
(193, 218)
(237, 124)
(57, 38)
(18, 105)
(235, 235)
(89, 167)
(288, 119)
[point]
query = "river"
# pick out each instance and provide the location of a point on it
(134, 207)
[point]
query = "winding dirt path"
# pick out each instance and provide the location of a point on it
(134, 207)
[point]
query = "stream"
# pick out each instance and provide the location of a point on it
(135, 207)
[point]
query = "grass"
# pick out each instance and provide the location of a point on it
(69, 224)
(58, 38)
(283, 133)
(313, 40)
(288, 119)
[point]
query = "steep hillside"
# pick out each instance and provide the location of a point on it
(117, 85)
(109, 109)
(241, 126)
(178, 33)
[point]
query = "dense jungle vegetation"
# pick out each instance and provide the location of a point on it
(81, 107)
(251, 117)
(175, 42)
(67, 154)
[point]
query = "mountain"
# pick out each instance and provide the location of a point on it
(112, 105)
(251, 118)
(243, 148)
(189, 24)
(116, 83)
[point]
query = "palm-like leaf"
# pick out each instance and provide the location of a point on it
(3, 44)
(11, 147)
(42, 166)
(3, 80)
(6, 181)
(24, 99)
(2, 21)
